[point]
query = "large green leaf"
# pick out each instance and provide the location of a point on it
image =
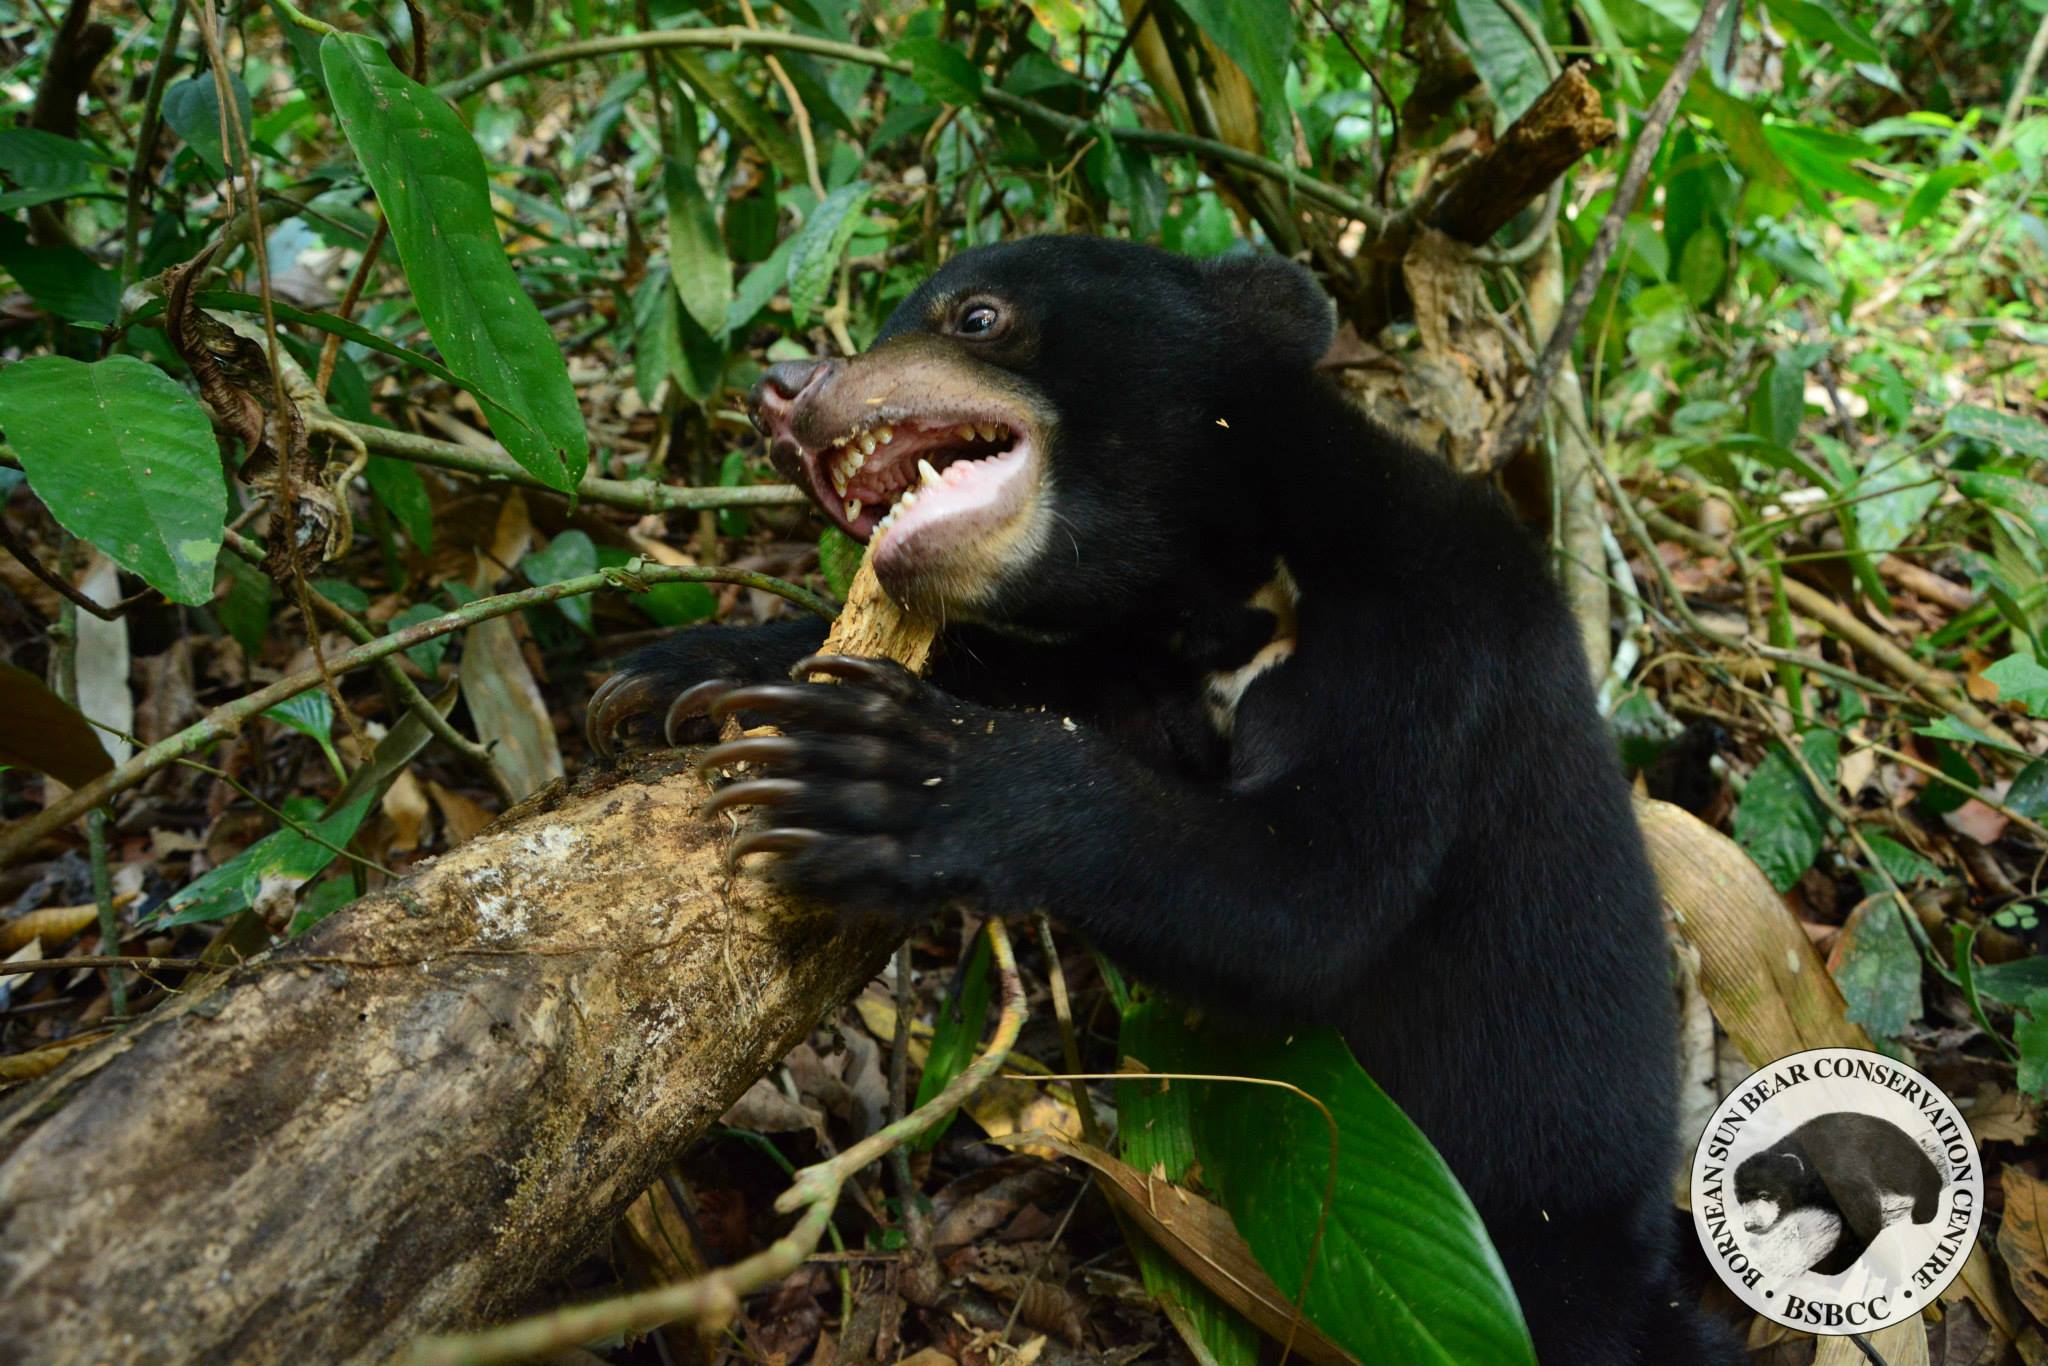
(430, 179)
(940, 70)
(569, 555)
(1156, 1131)
(2021, 435)
(2020, 678)
(819, 244)
(34, 159)
(1405, 1271)
(1780, 821)
(1879, 968)
(192, 109)
(2021, 497)
(124, 458)
(1507, 62)
(1259, 37)
(697, 261)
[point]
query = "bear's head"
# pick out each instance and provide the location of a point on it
(1056, 429)
(1770, 1184)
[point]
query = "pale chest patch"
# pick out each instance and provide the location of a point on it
(1223, 690)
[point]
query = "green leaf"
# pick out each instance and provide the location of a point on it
(1879, 968)
(62, 279)
(324, 900)
(2015, 981)
(2020, 678)
(245, 608)
(819, 244)
(124, 458)
(1131, 180)
(1823, 160)
(428, 654)
(311, 714)
(430, 179)
(1822, 24)
(46, 733)
(2023, 498)
(1510, 66)
(192, 109)
(288, 858)
(568, 556)
(342, 594)
(1935, 187)
(1156, 1132)
(665, 604)
(2009, 431)
(1405, 1272)
(34, 159)
(398, 486)
(1780, 821)
(2030, 1032)
(1259, 37)
(956, 1035)
(760, 286)
(1905, 867)
(1892, 501)
(698, 265)
(1779, 404)
(2028, 794)
(940, 70)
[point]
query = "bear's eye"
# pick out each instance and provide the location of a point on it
(980, 320)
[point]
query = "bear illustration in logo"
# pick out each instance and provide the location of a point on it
(1815, 1199)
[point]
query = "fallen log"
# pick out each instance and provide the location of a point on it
(415, 1116)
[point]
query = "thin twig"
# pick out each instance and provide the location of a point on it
(409, 694)
(140, 175)
(1515, 434)
(63, 586)
(713, 1299)
(228, 720)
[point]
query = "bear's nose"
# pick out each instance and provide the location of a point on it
(771, 403)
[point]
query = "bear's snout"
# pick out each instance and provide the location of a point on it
(1759, 1215)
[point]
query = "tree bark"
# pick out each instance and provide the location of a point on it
(414, 1117)
(1565, 122)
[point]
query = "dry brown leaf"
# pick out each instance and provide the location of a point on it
(1200, 1236)
(511, 538)
(507, 707)
(1998, 1115)
(2023, 1238)
(53, 924)
(405, 806)
(655, 1224)
(38, 1062)
(460, 816)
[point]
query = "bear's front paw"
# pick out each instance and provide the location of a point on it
(854, 791)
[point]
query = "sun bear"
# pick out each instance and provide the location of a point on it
(1831, 1185)
(1284, 715)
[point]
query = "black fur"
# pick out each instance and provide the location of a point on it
(1417, 829)
(1846, 1164)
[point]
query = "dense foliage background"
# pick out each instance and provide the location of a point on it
(309, 322)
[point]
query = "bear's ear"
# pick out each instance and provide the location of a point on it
(1270, 303)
